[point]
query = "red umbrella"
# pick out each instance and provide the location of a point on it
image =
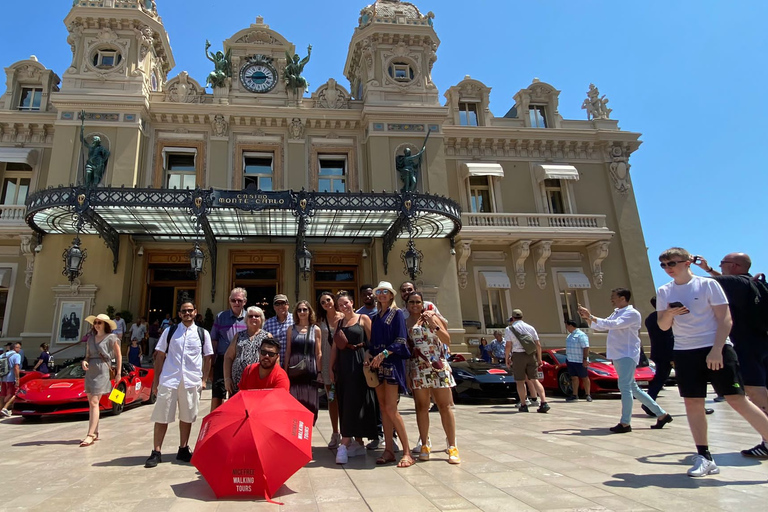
(253, 443)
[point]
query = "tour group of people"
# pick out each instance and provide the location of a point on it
(365, 358)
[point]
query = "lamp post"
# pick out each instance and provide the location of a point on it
(73, 260)
(305, 262)
(412, 259)
(196, 259)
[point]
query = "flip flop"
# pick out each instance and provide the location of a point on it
(85, 442)
(385, 460)
(406, 462)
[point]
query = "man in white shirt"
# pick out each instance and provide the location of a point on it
(524, 365)
(181, 360)
(623, 348)
(408, 288)
(697, 309)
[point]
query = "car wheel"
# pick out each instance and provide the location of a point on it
(118, 408)
(564, 383)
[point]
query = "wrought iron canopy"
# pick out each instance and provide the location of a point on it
(241, 216)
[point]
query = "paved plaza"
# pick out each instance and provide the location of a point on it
(564, 460)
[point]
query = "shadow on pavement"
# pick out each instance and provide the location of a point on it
(137, 460)
(732, 459)
(200, 490)
(597, 432)
(45, 443)
(672, 481)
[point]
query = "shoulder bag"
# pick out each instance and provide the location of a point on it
(302, 368)
(525, 339)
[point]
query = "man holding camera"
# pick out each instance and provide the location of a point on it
(697, 309)
(749, 341)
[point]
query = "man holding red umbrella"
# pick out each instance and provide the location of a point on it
(181, 360)
(267, 373)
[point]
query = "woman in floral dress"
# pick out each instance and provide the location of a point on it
(244, 349)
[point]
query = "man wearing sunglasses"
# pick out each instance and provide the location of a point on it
(267, 373)
(696, 308)
(180, 364)
(278, 325)
(430, 309)
(749, 339)
(225, 328)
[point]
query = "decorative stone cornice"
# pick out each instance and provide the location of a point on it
(542, 250)
(520, 252)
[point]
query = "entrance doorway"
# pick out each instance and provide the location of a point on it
(169, 284)
(260, 282)
(333, 279)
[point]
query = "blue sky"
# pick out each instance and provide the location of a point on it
(688, 75)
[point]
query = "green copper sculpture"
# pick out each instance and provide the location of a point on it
(293, 69)
(222, 66)
(409, 166)
(98, 157)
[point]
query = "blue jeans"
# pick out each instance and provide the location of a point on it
(625, 368)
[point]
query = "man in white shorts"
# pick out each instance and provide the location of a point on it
(182, 356)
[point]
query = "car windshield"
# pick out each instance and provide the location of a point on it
(73, 371)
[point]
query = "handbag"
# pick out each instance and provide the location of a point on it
(112, 370)
(302, 368)
(339, 338)
(371, 377)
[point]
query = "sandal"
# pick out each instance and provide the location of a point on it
(384, 459)
(406, 462)
(88, 441)
(96, 436)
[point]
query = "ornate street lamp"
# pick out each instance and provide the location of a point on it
(412, 259)
(305, 262)
(196, 260)
(73, 260)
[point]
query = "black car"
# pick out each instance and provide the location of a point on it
(477, 379)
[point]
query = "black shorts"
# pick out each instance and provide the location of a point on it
(577, 370)
(218, 390)
(693, 375)
(754, 365)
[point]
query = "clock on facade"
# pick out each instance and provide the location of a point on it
(258, 74)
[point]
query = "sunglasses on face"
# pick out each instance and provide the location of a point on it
(280, 303)
(302, 310)
(670, 264)
(725, 263)
(408, 290)
(326, 301)
(236, 301)
(381, 292)
(267, 353)
(254, 316)
(187, 311)
(98, 322)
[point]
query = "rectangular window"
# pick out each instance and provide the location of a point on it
(468, 114)
(106, 59)
(493, 308)
(553, 191)
(333, 174)
(479, 195)
(538, 116)
(257, 171)
(569, 304)
(30, 99)
(180, 170)
(15, 191)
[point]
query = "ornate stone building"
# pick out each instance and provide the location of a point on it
(275, 184)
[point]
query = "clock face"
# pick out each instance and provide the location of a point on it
(258, 77)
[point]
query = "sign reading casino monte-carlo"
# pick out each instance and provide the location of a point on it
(251, 200)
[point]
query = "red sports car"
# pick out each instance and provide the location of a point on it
(602, 374)
(64, 392)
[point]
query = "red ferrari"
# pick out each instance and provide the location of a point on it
(64, 392)
(602, 374)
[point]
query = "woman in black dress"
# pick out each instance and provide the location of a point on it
(357, 402)
(303, 343)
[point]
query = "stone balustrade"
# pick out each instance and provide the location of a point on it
(12, 214)
(534, 220)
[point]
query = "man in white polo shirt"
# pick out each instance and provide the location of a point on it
(181, 360)
(524, 365)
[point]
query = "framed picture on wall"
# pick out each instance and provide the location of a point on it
(69, 321)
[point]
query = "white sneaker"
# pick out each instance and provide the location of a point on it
(6, 413)
(355, 449)
(395, 446)
(703, 467)
(417, 449)
(341, 455)
(335, 439)
(375, 443)
(447, 446)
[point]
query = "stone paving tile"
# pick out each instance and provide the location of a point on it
(564, 460)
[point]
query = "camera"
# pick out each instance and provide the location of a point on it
(696, 260)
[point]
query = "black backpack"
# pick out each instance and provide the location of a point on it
(172, 329)
(758, 316)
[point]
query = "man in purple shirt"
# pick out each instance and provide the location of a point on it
(278, 325)
(226, 326)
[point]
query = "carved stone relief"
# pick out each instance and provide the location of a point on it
(219, 126)
(541, 252)
(619, 168)
(331, 95)
(296, 129)
(597, 253)
(28, 251)
(182, 89)
(465, 250)
(520, 251)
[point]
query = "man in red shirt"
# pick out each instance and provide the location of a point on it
(267, 373)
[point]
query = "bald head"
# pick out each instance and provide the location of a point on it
(736, 263)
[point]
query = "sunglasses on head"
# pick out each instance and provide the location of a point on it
(267, 353)
(670, 264)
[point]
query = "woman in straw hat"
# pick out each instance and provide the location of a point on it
(389, 352)
(100, 347)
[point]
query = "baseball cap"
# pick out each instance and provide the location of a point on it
(280, 297)
(516, 313)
